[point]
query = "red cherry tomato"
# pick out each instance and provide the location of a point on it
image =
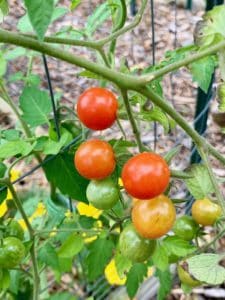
(97, 108)
(95, 159)
(145, 175)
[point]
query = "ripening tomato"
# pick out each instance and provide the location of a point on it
(145, 175)
(186, 228)
(97, 108)
(185, 277)
(135, 247)
(102, 194)
(153, 218)
(205, 212)
(95, 159)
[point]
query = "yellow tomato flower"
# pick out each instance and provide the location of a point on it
(88, 210)
(14, 174)
(53, 233)
(40, 211)
(120, 182)
(89, 239)
(112, 275)
(150, 272)
(23, 224)
(3, 209)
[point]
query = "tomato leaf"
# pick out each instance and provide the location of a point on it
(157, 115)
(74, 4)
(160, 257)
(40, 13)
(13, 148)
(3, 169)
(204, 66)
(135, 277)
(165, 280)
(123, 264)
(206, 268)
(172, 153)
(200, 184)
(35, 105)
(48, 256)
(62, 296)
(62, 173)
(100, 252)
(71, 246)
(5, 279)
(177, 246)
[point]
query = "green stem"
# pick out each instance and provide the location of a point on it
(217, 237)
(39, 232)
(203, 153)
(179, 174)
(121, 128)
(136, 132)
(104, 57)
(184, 62)
(36, 278)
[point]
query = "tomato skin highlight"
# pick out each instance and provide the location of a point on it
(153, 218)
(95, 159)
(102, 194)
(145, 175)
(97, 108)
(11, 252)
(205, 212)
(186, 228)
(135, 247)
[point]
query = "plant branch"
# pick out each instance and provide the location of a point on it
(132, 120)
(203, 153)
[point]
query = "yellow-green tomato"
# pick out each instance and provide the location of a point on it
(186, 278)
(102, 194)
(12, 251)
(205, 212)
(186, 228)
(135, 247)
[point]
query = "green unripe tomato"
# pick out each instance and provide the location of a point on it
(12, 251)
(14, 229)
(102, 194)
(135, 247)
(186, 278)
(186, 228)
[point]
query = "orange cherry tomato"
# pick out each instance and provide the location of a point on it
(205, 212)
(145, 175)
(95, 159)
(153, 219)
(97, 108)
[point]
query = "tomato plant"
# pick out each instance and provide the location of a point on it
(145, 175)
(12, 251)
(153, 218)
(14, 229)
(95, 159)
(187, 278)
(97, 108)
(133, 246)
(205, 212)
(102, 194)
(186, 228)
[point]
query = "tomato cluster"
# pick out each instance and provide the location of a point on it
(145, 178)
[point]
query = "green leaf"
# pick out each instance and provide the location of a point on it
(135, 277)
(202, 66)
(3, 169)
(52, 147)
(74, 4)
(40, 13)
(89, 74)
(62, 173)
(13, 148)
(3, 65)
(165, 280)
(206, 268)
(62, 296)
(212, 29)
(15, 53)
(48, 256)
(71, 246)
(5, 279)
(11, 134)
(160, 257)
(4, 7)
(3, 193)
(35, 105)
(156, 114)
(200, 184)
(172, 153)
(123, 264)
(177, 246)
(100, 252)
(100, 14)
(221, 57)
(15, 281)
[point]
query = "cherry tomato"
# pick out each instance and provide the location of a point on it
(152, 219)
(95, 159)
(133, 246)
(14, 229)
(205, 212)
(102, 194)
(12, 251)
(97, 108)
(185, 277)
(145, 175)
(186, 228)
